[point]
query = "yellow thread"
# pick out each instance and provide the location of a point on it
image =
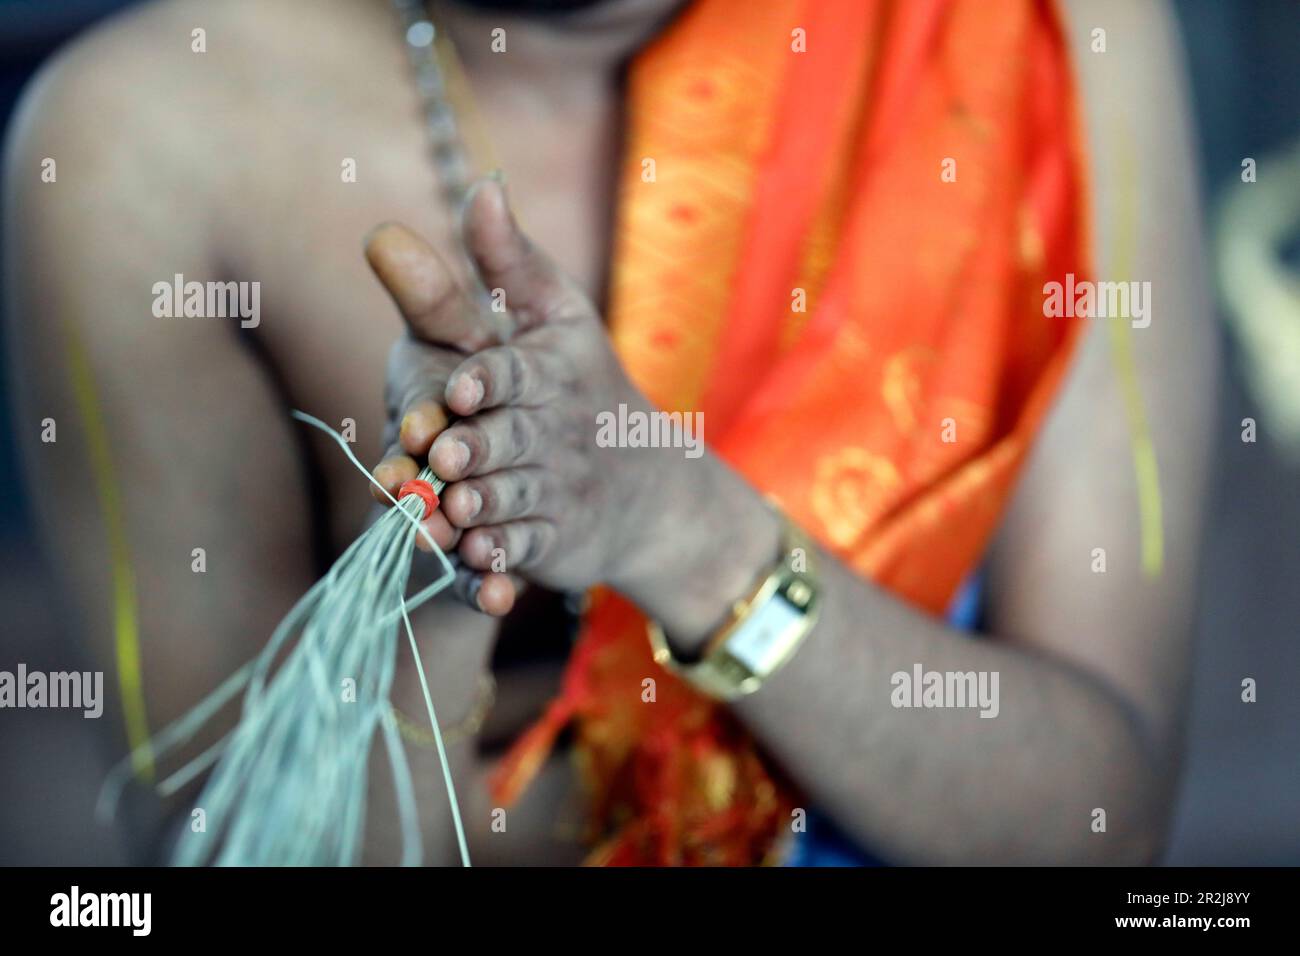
(125, 615)
(1150, 510)
(460, 95)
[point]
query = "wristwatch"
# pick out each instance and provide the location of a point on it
(763, 631)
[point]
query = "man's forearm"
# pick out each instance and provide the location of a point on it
(917, 784)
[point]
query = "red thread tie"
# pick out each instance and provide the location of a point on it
(421, 489)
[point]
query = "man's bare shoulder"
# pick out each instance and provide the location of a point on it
(167, 78)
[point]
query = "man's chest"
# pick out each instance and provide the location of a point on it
(327, 325)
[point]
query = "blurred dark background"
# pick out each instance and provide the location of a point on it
(1240, 796)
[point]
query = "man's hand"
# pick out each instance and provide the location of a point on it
(442, 328)
(527, 481)
(529, 492)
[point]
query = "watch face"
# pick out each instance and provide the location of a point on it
(762, 639)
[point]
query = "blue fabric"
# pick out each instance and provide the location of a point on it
(821, 843)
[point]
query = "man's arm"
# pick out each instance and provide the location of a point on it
(1093, 666)
(82, 255)
(199, 439)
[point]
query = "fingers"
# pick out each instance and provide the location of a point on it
(536, 290)
(491, 592)
(497, 593)
(505, 375)
(496, 439)
(498, 497)
(397, 468)
(425, 290)
(444, 534)
(517, 545)
(416, 381)
(422, 422)
(393, 469)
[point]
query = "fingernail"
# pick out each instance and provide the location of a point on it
(452, 461)
(475, 586)
(467, 200)
(478, 392)
(374, 230)
(405, 426)
(498, 176)
(475, 503)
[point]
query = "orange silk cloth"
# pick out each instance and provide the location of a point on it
(838, 255)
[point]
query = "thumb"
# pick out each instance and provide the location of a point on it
(425, 290)
(535, 290)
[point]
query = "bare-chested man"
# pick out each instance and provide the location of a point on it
(225, 166)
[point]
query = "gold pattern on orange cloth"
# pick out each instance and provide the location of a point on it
(776, 170)
(851, 491)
